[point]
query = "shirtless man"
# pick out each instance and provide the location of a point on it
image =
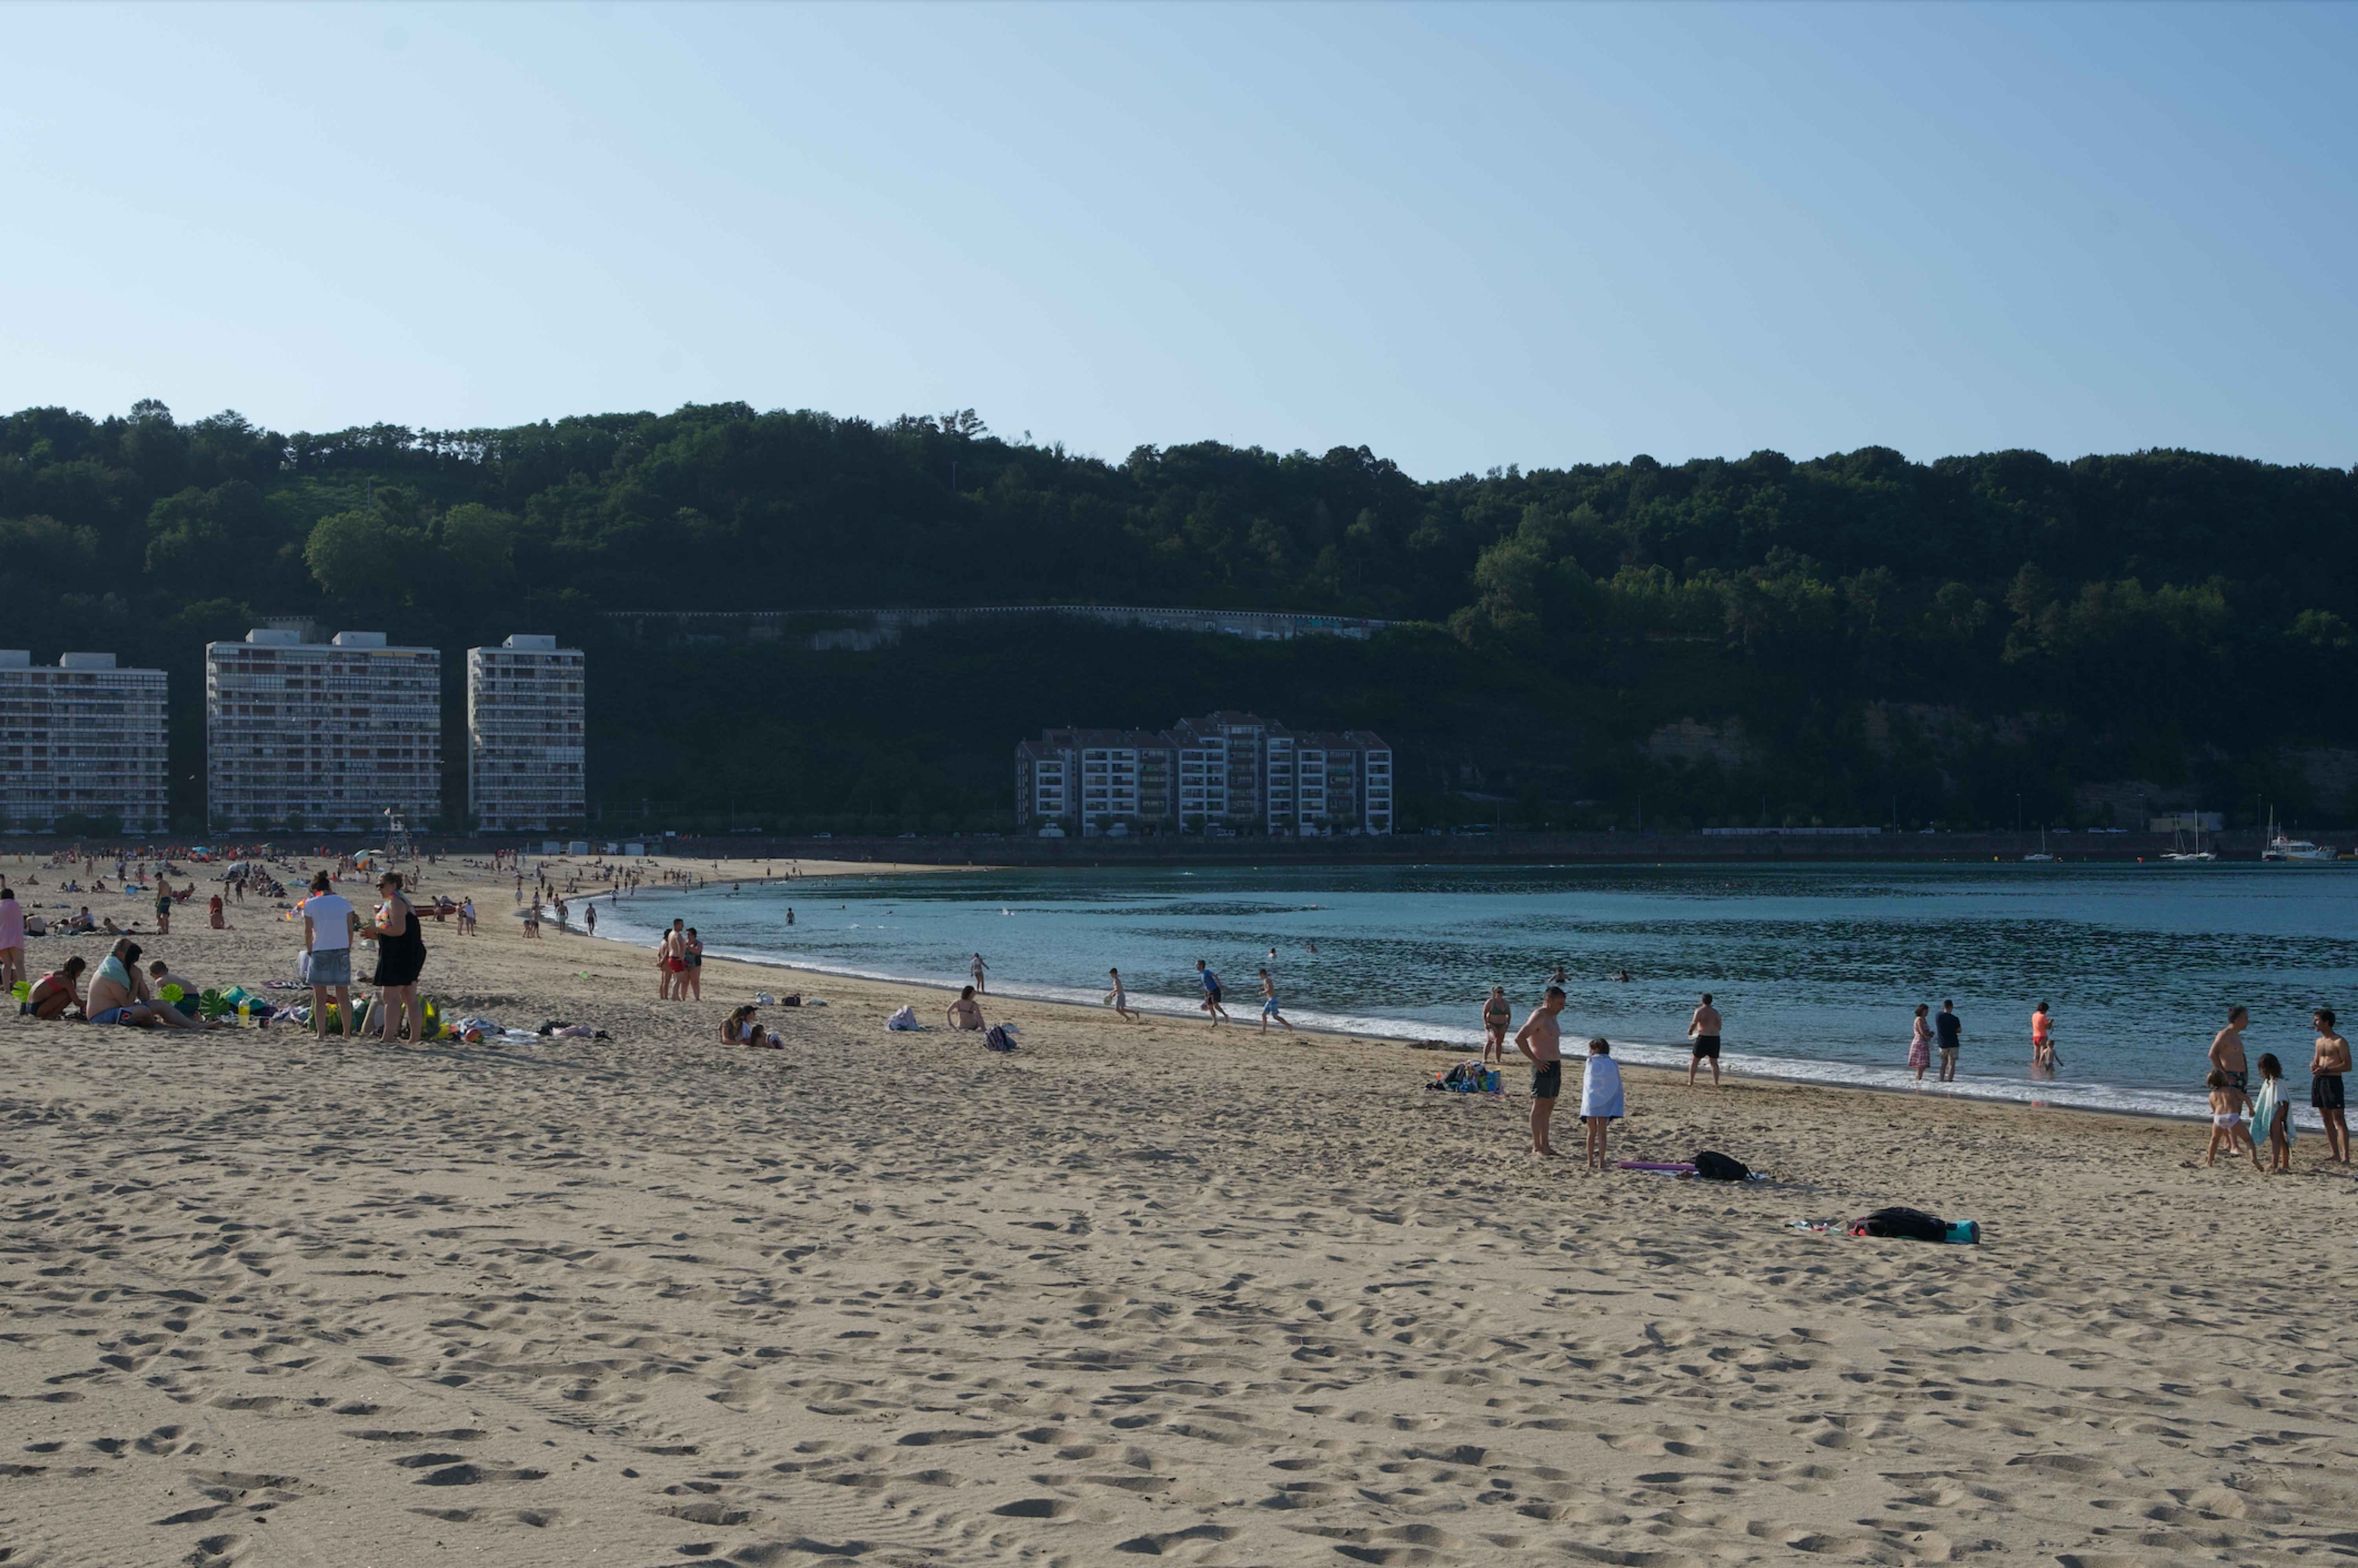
(966, 1013)
(1703, 1030)
(118, 993)
(2227, 1050)
(2326, 1066)
(1540, 1039)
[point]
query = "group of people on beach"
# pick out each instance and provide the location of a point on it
(2242, 1116)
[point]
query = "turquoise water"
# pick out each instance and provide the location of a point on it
(1818, 969)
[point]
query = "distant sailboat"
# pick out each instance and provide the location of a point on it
(2180, 854)
(2042, 854)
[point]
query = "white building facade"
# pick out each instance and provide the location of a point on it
(80, 738)
(307, 735)
(526, 715)
(1224, 773)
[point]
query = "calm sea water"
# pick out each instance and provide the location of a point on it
(1818, 969)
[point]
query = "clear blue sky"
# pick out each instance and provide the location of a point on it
(1462, 236)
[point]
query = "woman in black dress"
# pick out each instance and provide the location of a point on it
(400, 959)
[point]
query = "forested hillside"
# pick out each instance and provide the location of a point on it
(1851, 638)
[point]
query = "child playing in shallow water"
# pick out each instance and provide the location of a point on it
(2272, 1118)
(2226, 1118)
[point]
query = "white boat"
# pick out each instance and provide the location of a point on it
(2042, 854)
(2179, 854)
(2279, 848)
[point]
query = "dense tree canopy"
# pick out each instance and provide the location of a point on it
(1897, 639)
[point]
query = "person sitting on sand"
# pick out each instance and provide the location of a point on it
(739, 1029)
(160, 976)
(58, 994)
(2227, 1104)
(119, 994)
(1600, 1099)
(966, 1013)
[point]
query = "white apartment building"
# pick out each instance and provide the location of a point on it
(321, 734)
(1226, 772)
(80, 738)
(525, 736)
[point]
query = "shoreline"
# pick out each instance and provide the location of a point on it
(1650, 1058)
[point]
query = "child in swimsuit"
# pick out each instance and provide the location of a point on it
(2272, 1117)
(2226, 1118)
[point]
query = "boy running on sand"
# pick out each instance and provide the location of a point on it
(1268, 1004)
(1540, 1039)
(1211, 1002)
(1119, 999)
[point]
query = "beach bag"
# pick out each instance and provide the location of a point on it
(904, 1019)
(1908, 1224)
(998, 1038)
(1712, 1166)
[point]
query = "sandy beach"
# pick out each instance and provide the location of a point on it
(1139, 1290)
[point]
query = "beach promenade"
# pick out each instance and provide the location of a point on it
(1133, 1290)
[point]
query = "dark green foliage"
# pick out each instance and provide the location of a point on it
(1903, 640)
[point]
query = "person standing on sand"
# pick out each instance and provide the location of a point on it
(1211, 1002)
(978, 969)
(2042, 1042)
(328, 922)
(2326, 1066)
(692, 948)
(1600, 1099)
(668, 960)
(1119, 999)
(12, 939)
(1540, 1039)
(2227, 1050)
(1949, 1027)
(1703, 1028)
(400, 959)
(1496, 1016)
(1268, 1004)
(1919, 1042)
(589, 918)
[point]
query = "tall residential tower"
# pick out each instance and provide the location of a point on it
(80, 738)
(321, 734)
(525, 719)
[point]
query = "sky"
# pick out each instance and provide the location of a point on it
(1462, 236)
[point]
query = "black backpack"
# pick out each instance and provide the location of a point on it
(1710, 1166)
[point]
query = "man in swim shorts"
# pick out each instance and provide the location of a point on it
(1540, 1039)
(2227, 1050)
(1704, 1029)
(1211, 1002)
(1951, 1028)
(1268, 1004)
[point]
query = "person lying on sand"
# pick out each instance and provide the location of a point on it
(966, 1013)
